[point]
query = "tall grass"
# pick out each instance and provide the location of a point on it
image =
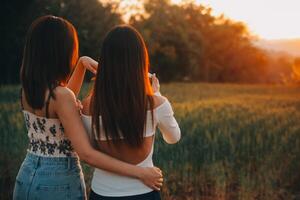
(238, 142)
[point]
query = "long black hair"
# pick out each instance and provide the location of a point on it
(122, 91)
(50, 53)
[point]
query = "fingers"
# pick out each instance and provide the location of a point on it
(92, 69)
(156, 180)
(90, 64)
(154, 77)
(159, 174)
(158, 171)
(158, 184)
(155, 83)
(94, 63)
(156, 188)
(79, 104)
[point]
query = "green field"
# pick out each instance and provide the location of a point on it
(238, 142)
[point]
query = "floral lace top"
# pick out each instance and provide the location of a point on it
(46, 136)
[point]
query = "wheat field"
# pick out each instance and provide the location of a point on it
(238, 142)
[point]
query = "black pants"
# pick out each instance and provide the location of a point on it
(154, 195)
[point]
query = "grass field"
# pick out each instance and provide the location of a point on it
(238, 142)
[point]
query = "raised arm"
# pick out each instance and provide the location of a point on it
(84, 63)
(67, 111)
(167, 123)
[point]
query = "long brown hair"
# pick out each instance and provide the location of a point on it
(122, 91)
(50, 53)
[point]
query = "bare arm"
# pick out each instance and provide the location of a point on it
(77, 77)
(67, 112)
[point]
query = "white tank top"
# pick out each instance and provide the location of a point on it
(109, 184)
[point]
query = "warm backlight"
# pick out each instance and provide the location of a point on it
(269, 19)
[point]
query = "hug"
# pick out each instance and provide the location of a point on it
(114, 127)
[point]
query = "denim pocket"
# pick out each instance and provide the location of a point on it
(22, 182)
(20, 190)
(57, 192)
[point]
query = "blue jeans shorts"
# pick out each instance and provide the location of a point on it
(46, 178)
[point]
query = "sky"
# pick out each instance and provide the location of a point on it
(269, 19)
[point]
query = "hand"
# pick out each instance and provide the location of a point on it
(152, 177)
(89, 63)
(155, 83)
(79, 105)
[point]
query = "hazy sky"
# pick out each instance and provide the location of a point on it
(271, 19)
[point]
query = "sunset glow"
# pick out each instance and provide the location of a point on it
(269, 19)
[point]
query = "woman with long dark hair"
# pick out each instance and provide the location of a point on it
(122, 113)
(51, 169)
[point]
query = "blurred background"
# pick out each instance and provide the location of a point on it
(231, 70)
(210, 41)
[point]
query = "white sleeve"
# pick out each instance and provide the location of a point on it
(157, 93)
(167, 123)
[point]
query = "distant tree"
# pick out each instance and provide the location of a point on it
(185, 41)
(90, 17)
(188, 41)
(169, 39)
(296, 70)
(279, 67)
(92, 21)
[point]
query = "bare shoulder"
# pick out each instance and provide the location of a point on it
(64, 94)
(158, 100)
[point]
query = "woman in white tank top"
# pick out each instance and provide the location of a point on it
(122, 113)
(56, 135)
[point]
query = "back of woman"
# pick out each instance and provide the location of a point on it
(51, 168)
(122, 113)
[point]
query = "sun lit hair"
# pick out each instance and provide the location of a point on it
(50, 54)
(122, 93)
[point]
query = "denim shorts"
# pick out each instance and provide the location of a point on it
(45, 178)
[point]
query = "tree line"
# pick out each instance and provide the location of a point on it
(186, 42)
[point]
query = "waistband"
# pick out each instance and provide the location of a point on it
(155, 195)
(42, 160)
